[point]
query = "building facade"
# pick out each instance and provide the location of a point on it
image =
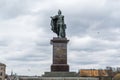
(93, 73)
(2, 71)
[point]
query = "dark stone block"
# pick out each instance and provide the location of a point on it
(59, 68)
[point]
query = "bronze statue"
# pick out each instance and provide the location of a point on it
(58, 25)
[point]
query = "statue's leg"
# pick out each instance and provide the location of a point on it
(62, 32)
(58, 30)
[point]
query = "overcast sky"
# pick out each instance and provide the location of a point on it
(93, 28)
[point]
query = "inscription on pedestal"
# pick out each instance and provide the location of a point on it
(60, 56)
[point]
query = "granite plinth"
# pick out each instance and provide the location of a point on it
(59, 67)
(60, 74)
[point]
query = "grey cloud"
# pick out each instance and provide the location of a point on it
(84, 61)
(95, 45)
(111, 61)
(4, 43)
(10, 9)
(37, 53)
(28, 58)
(82, 21)
(15, 8)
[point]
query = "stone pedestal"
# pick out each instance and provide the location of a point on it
(59, 55)
(59, 67)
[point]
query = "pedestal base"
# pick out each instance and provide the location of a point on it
(60, 74)
(59, 68)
